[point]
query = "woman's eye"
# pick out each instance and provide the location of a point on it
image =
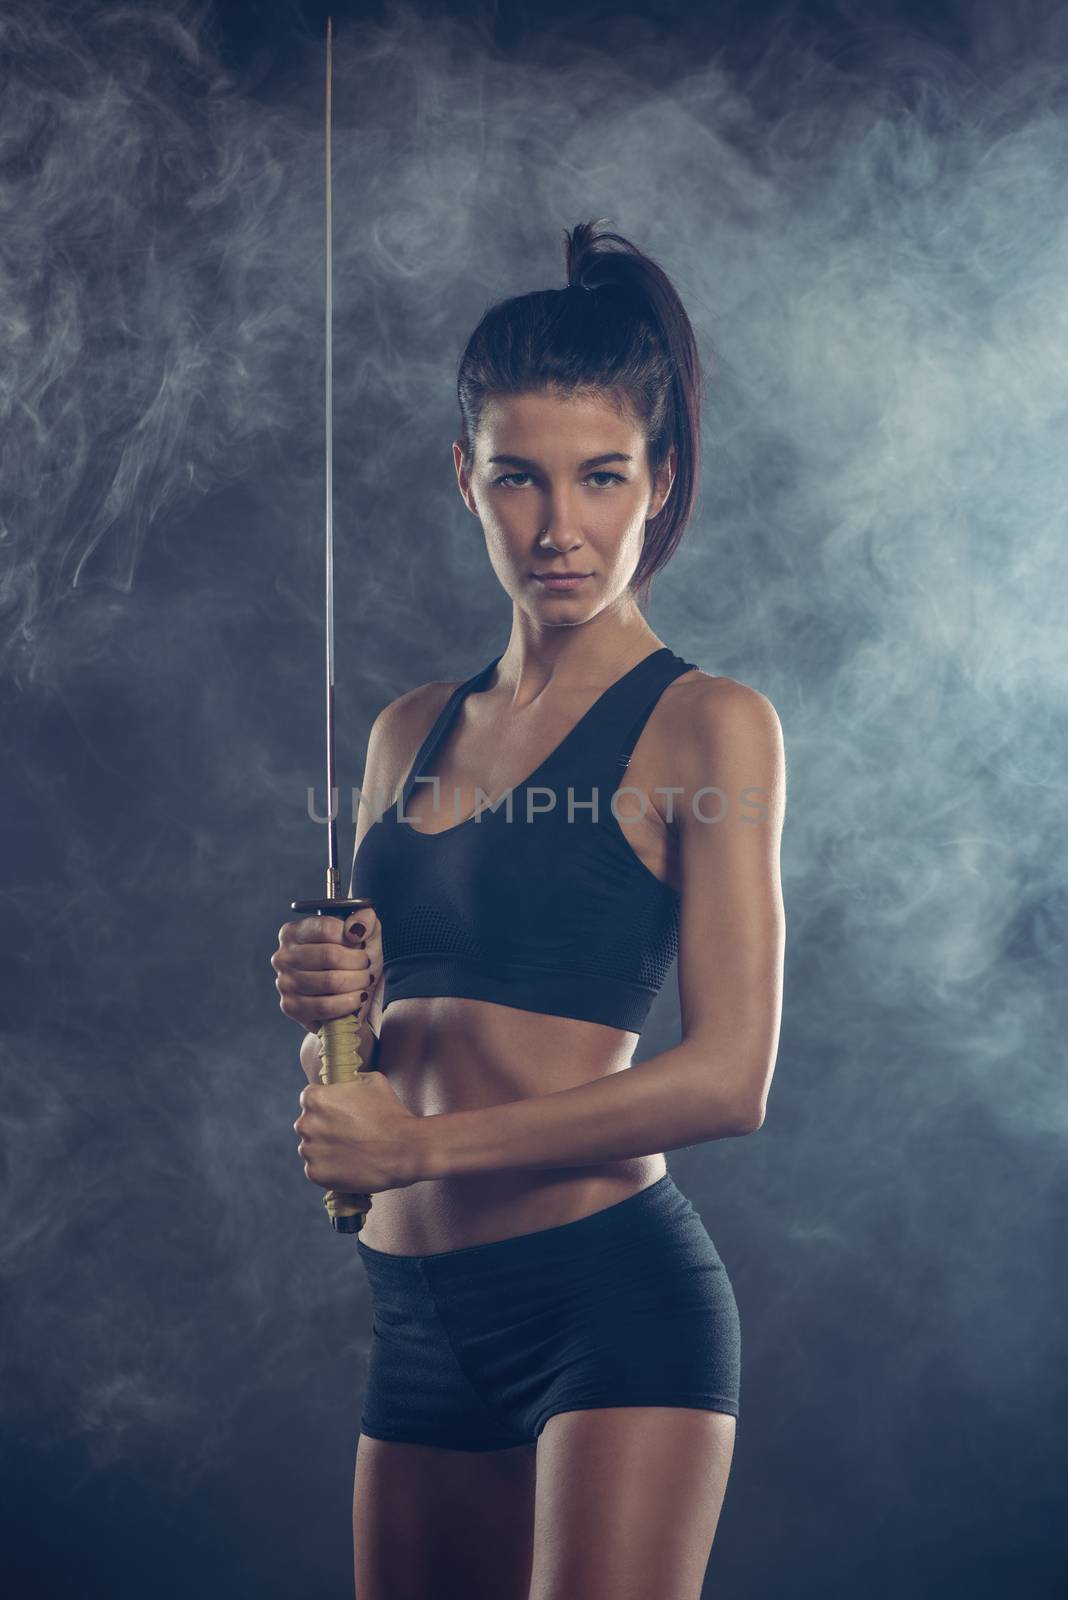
(613, 477)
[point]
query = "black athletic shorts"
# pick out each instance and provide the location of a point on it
(475, 1349)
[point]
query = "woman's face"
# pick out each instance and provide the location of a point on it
(562, 484)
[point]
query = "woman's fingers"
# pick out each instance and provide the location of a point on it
(317, 1005)
(312, 983)
(321, 1008)
(364, 919)
(320, 959)
(326, 969)
(314, 942)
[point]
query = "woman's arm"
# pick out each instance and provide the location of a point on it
(731, 768)
(664, 1103)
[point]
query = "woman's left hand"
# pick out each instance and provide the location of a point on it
(357, 1137)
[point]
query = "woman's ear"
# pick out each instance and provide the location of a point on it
(462, 478)
(662, 484)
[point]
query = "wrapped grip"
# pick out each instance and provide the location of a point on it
(340, 1062)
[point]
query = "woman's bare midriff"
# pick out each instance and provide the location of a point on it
(450, 1054)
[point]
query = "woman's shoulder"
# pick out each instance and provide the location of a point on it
(722, 732)
(414, 703)
(697, 693)
(708, 717)
(412, 714)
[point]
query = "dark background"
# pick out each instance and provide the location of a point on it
(864, 210)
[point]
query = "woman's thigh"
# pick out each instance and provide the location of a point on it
(448, 1523)
(628, 1501)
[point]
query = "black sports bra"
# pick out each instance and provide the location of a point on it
(540, 902)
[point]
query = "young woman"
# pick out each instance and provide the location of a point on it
(553, 1386)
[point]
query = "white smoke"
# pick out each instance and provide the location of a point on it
(872, 250)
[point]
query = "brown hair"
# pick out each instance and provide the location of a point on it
(627, 331)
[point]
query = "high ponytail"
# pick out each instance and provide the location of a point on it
(619, 324)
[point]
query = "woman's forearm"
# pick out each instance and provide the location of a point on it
(674, 1099)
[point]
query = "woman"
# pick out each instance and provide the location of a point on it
(553, 1386)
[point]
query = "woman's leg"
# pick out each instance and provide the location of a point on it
(628, 1501)
(444, 1523)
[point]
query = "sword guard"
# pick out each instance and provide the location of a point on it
(328, 907)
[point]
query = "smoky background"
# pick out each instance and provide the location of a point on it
(863, 208)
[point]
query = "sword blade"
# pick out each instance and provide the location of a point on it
(332, 882)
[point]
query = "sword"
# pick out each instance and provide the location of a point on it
(339, 1055)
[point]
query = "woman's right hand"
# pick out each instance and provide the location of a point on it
(325, 969)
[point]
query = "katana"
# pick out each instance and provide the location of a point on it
(339, 1054)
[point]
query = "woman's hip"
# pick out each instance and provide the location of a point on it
(648, 1258)
(633, 1289)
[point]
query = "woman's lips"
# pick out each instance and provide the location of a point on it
(571, 582)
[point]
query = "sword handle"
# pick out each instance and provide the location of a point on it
(339, 1062)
